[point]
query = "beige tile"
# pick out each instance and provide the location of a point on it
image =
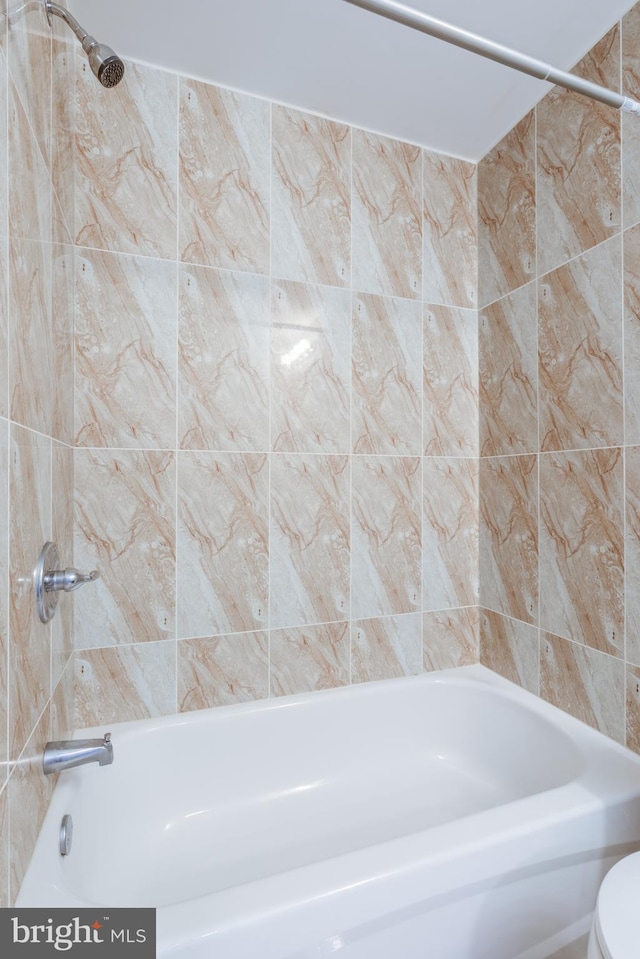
(30, 190)
(450, 533)
(63, 703)
(631, 248)
(386, 536)
(224, 178)
(309, 544)
(223, 360)
(310, 368)
(223, 543)
(632, 710)
(125, 528)
(509, 536)
(309, 658)
(450, 228)
(450, 382)
(508, 345)
(126, 162)
(29, 57)
(4, 132)
(632, 554)
(123, 683)
(222, 670)
(583, 682)
(450, 637)
(125, 351)
(60, 344)
(63, 78)
(62, 486)
(4, 603)
(630, 131)
(386, 648)
(582, 547)
(507, 213)
(4, 848)
(510, 648)
(580, 352)
(578, 181)
(30, 528)
(29, 795)
(311, 202)
(387, 375)
(387, 216)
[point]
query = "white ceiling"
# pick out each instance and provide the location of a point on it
(335, 59)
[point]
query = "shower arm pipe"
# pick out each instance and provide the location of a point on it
(69, 19)
(495, 51)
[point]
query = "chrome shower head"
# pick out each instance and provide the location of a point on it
(104, 63)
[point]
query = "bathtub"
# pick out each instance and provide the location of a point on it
(444, 816)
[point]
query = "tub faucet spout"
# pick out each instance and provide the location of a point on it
(64, 754)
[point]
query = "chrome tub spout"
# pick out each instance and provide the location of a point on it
(64, 754)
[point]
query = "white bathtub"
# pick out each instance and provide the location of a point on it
(446, 816)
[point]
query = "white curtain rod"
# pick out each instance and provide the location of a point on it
(495, 51)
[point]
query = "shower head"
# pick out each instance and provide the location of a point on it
(104, 63)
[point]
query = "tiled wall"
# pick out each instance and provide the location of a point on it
(276, 412)
(559, 341)
(36, 411)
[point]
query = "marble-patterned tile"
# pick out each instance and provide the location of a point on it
(62, 503)
(450, 533)
(223, 543)
(310, 368)
(580, 352)
(386, 648)
(4, 605)
(630, 40)
(311, 198)
(387, 216)
(387, 375)
(508, 346)
(223, 360)
(632, 708)
(32, 355)
(125, 351)
(29, 797)
(4, 326)
(309, 658)
(4, 130)
(4, 848)
(126, 162)
(224, 178)
(386, 536)
(631, 247)
(222, 670)
(450, 230)
(309, 542)
(63, 78)
(29, 529)
(632, 554)
(509, 536)
(578, 168)
(450, 637)
(511, 648)
(29, 58)
(122, 683)
(582, 547)
(60, 359)
(125, 528)
(29, 182)
(62, 706)
(507, 213)
(585, 683)
(450, 382)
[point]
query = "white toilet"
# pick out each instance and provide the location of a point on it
(615, 932)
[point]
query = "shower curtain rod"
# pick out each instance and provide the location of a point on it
(495, 51)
